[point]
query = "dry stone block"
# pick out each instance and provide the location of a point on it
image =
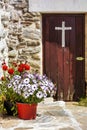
(23, 128)
(36, 56)
(12, 53)
(33, 42)
(35, 64)
(38, 26)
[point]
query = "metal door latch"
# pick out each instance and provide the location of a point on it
(80, 58)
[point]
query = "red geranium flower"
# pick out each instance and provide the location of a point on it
(22, 65)
(27, 67)
(14, 64)
(20, 69)
(11, 71)
(4, 67)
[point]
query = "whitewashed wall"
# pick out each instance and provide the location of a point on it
(58, 6)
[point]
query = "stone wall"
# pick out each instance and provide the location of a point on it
(20, 34)
(23, 38)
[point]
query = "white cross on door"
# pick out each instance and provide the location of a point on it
(63, 29)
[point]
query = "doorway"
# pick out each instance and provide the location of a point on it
(64, 54)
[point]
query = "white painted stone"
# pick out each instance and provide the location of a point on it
(3, 38)
(58, 5)
(3, 54)
(51, 117)
(48, 100)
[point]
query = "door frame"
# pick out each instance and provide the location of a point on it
(43, 26)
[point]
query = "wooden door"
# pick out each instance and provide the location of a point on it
(64, 54)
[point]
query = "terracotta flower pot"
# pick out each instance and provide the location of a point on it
(26, 111)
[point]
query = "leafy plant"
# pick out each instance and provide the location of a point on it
(31, 88)
(7, 94)
(19, 85)
(83, 102)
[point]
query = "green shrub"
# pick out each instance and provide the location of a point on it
(83, 102)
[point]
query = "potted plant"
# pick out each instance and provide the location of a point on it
(7, 95)
(27, 89)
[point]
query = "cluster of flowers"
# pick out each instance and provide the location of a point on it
(31, 88)
(21, 86)
(13, 69)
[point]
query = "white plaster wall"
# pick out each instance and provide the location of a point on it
(58, 5)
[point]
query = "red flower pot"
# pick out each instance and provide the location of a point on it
(26, 111)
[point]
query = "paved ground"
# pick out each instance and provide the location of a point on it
(56, 116)
(79, 113)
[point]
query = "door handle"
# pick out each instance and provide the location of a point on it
(80, 58)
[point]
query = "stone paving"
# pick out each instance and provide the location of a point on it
(53, 116)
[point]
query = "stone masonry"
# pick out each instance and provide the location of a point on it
(22, 34)
(23, 39)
